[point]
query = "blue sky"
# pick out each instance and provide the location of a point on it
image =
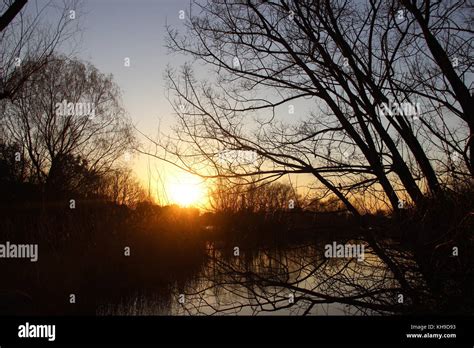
(116, 29)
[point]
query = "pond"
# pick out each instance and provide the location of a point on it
(291, 280)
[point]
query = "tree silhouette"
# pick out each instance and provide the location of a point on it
(68, 117)
(353, 61)
(28, 42)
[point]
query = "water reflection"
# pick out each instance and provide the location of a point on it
(297, 280)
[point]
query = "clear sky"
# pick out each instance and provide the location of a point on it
(116, 29)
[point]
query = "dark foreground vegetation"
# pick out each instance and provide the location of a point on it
(83, 251)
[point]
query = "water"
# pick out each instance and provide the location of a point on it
(292, 280)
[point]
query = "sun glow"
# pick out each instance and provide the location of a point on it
(186, 190)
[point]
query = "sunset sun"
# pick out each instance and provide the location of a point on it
(186, 191)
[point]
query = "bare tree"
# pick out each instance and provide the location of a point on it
(347, 58)
(231, 197)
(121, 187)
(442, 73)
(68, 110)
(30, 36)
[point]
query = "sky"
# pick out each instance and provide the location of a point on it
(119, 29)
(113, 30)
(116, 30)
